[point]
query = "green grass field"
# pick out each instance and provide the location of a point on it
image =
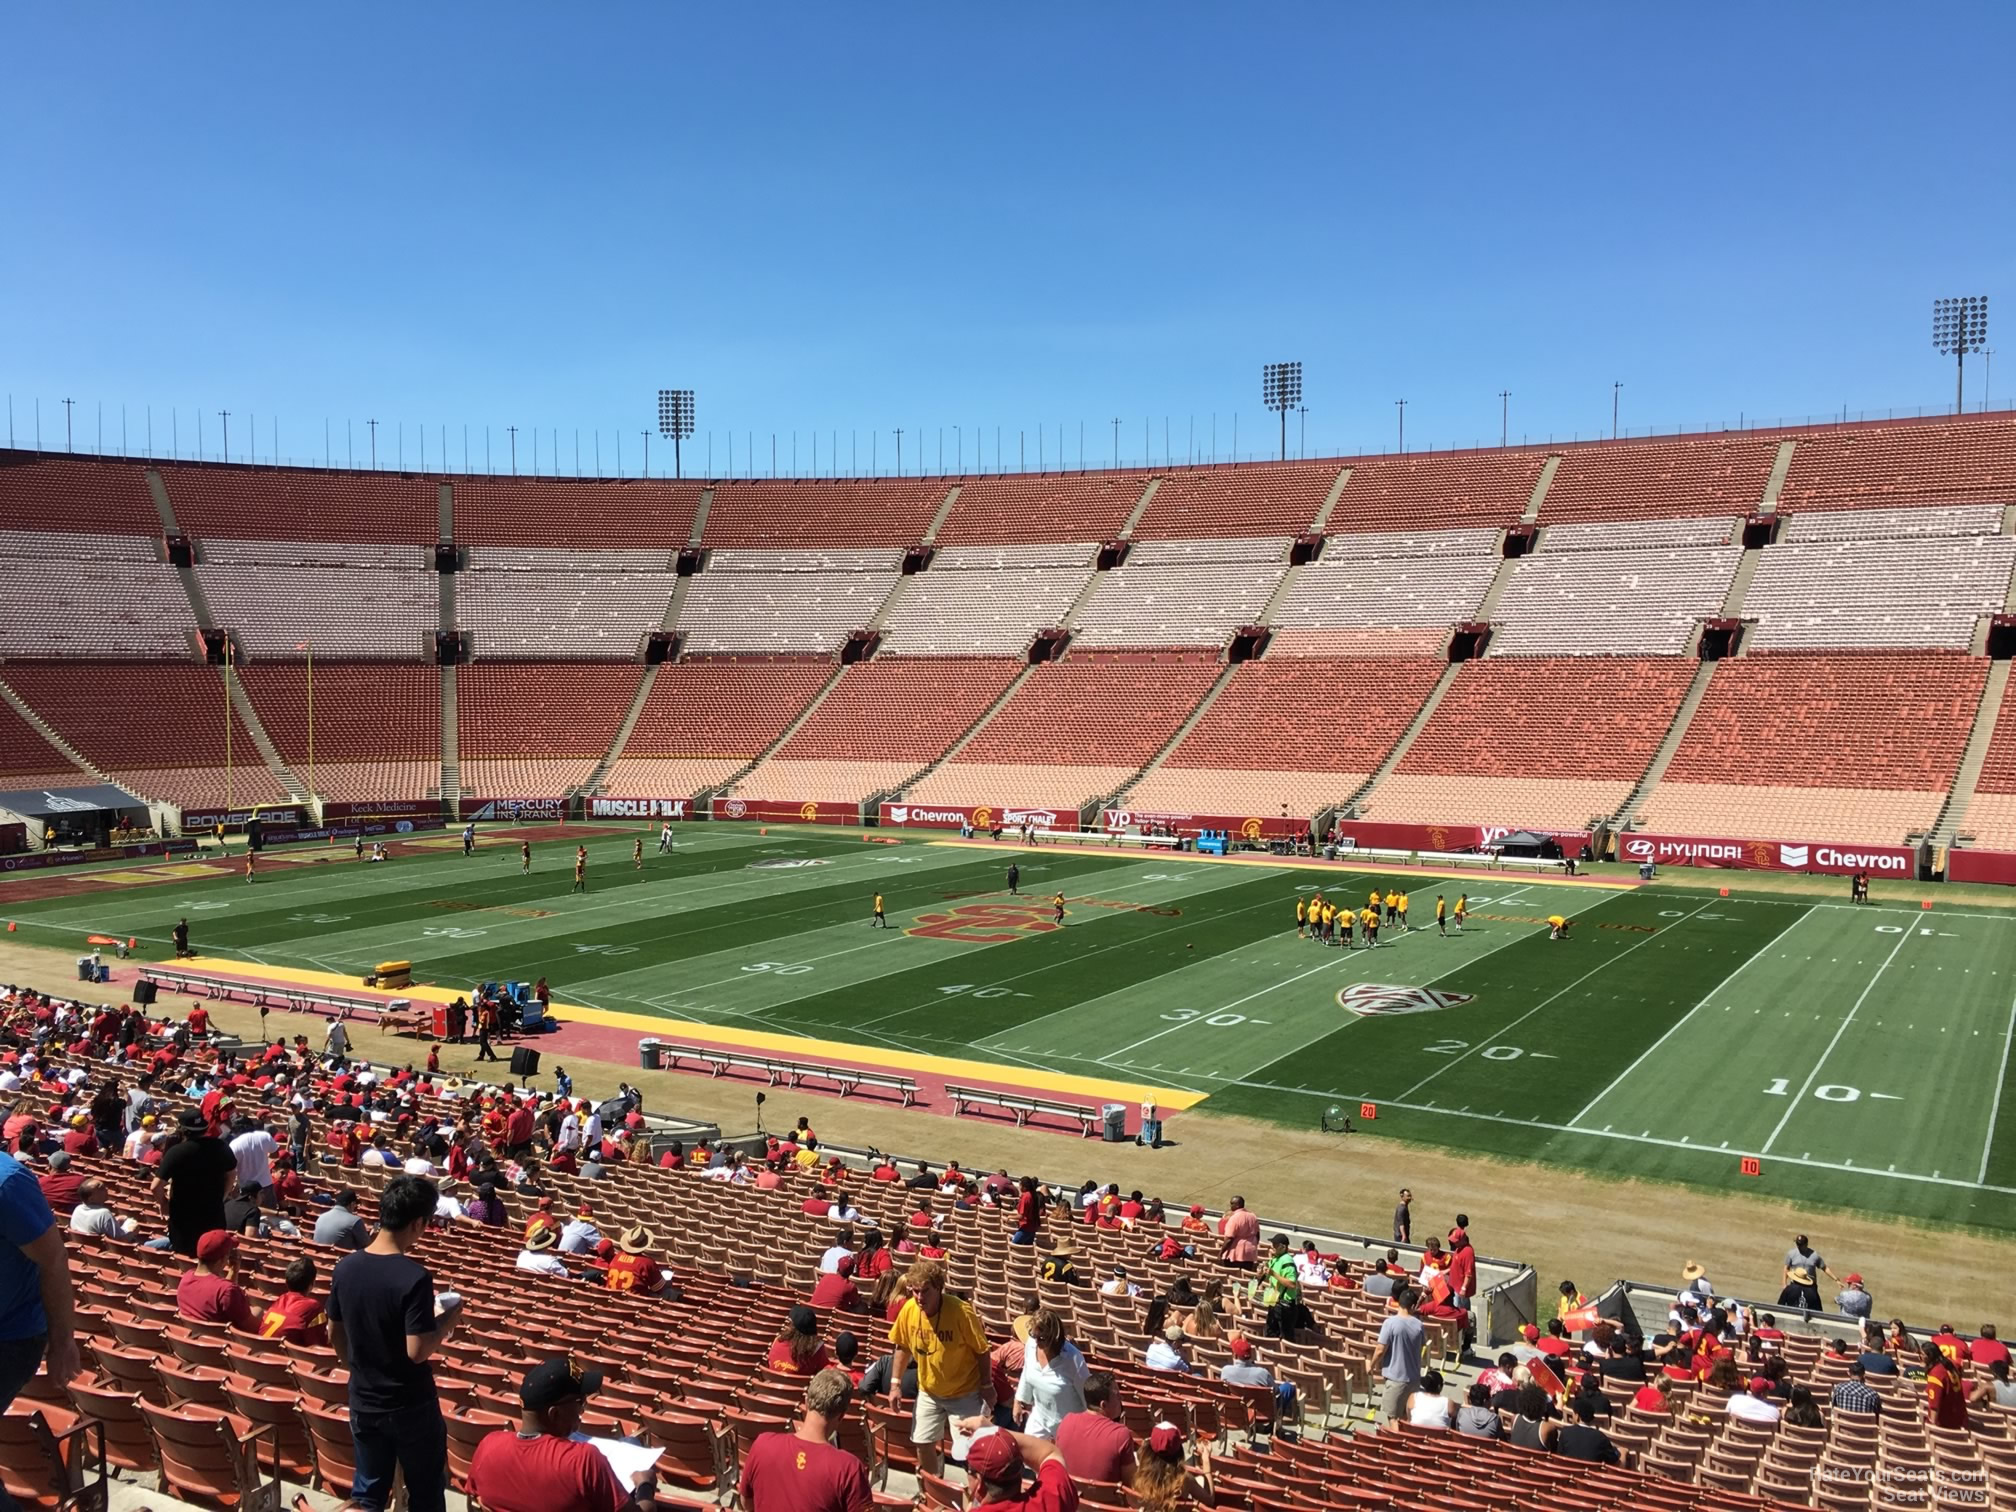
(1857, 1054)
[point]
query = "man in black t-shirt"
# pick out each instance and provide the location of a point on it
(385, 1326)
(1583, 1440)
(196, 1172)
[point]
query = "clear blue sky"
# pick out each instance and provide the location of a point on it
(858, 217)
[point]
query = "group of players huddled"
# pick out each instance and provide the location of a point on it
(1328, 923)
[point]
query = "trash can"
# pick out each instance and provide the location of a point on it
(647, 1054)
(1115, 1118)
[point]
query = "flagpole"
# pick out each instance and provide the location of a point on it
(227, 727)
(311, 717)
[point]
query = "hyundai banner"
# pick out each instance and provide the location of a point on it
(1768, 855)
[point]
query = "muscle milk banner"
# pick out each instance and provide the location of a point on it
(641, 808)
(982, 816)
(1768, 855)
(1244, 826)
(775, 811)
(1981, 866)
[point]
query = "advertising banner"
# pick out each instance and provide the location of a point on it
(1240, 826)
(516, 810)
(982, 816)
(1981, 866)
(777, 811)
(194, 820)
(1768, 855)
(352, 828)
(641, 808)
(1431, 837)
(383, 808)
(36, 860)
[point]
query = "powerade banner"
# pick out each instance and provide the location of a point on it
(383, 808)
(1769, 855)
(1245, 827)
(207, 820)
(777, 811)
(982, 816)
(1981, 866)
(514, 809)
(641, 808)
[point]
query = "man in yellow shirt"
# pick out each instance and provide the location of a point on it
(1441, 915)
(938, 1333)
(1329, 922)
(1301, 919)
(1403, 910)
(1371, 921)
(881, 919)
(1348, 919)
(1462, 908)
(1392, 907)
(1557, 926)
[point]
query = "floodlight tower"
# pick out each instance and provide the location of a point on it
(675, 421)
(1281, 388)
(1960, 326)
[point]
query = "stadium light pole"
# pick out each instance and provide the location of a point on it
(1281, 391)
(675, 422)
(1504, 414)
(1960, 326)
(899, 451)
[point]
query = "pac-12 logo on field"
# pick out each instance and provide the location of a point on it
(1377, 998)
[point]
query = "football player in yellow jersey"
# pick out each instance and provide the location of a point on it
(1403, 910)
(1370, 919)
(1349, 919)
(1057, 903)
(1392, 907)
(1329, 923)
(881, 919)
(1557, 926)
(1301, 919)
(1462, 908)
(1442, 915)
(1374, 896)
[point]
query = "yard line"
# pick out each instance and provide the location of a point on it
(1284, 982)
(1717, 992)
(1995, 1108)
(1814, 1075)
(1508, 1028)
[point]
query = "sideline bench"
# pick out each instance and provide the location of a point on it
(1022, 1106)
(1489, 860)
(396, 1014)
(719, 1061)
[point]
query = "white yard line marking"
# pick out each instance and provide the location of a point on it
(1497, 1034)
(1995, 1107)
(1719, 989)
(1814, 1075)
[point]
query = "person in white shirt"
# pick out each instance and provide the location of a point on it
(141, 1137)
(253, 1148)
(1752, 1409)
(1053, 1376)
(336, 1041)
(447, 1204)
(580, 1236)
(829, 1263)
(10, 1080)
(377, 1155)
(417, 1165)
(93, 1216)
(570, 1132)
(1310, 1266)
(1166, 1353)
(591, 1131)
(538, 1255)
(844, 1211)
(1117, 1285)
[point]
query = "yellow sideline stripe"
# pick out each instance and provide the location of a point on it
(796, 1047)
(1305, 863)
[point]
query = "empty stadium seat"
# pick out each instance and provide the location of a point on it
(536, 729)
(584, 513)
(1711, 475)
(89, 594)
(1885, 466)
(1443, 491)
(707, 719)
(345, 599)
(27, 760)
(1892, 524)
(1183, 593)
(1258, 499)
(784, 602)
(75, 493)
(820, 512)
(545, 603)
(1610, 603)
(1046, 507)
(1930, 591)
(377, 725)
(1346, 591)
(302, 504)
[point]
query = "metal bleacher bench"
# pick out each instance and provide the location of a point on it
(1022, 1106)
(719, 1061)
(391, 1014)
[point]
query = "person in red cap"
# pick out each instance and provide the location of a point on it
(836, 1289)
(1162, 1482)
(1193, 1222)
(802, 1471)
(994, 1466)
(1854, 1300)
(210, 1293)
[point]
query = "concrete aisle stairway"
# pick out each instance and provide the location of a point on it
(1203, 707)
(1675, 733)
(1407, 737)
(249, 717)
(645, 684)
(963, 741)
(776, 745)
(451, 744)
(1953, 815)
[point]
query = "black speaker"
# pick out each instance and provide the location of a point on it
(524, 1061)
(143, 993)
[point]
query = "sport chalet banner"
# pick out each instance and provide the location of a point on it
(514, 809)
(642, 808)
(779, 811)
(982, 816)
(1769, 855)
(1277, 828)
(1981, 866)
(1392, 835)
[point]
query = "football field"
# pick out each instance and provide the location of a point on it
(1854, 1056)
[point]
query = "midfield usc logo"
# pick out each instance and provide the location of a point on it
(985, 923)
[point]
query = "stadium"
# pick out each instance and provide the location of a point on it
(1606, 844)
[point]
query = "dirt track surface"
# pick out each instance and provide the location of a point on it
(1566, 1224)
